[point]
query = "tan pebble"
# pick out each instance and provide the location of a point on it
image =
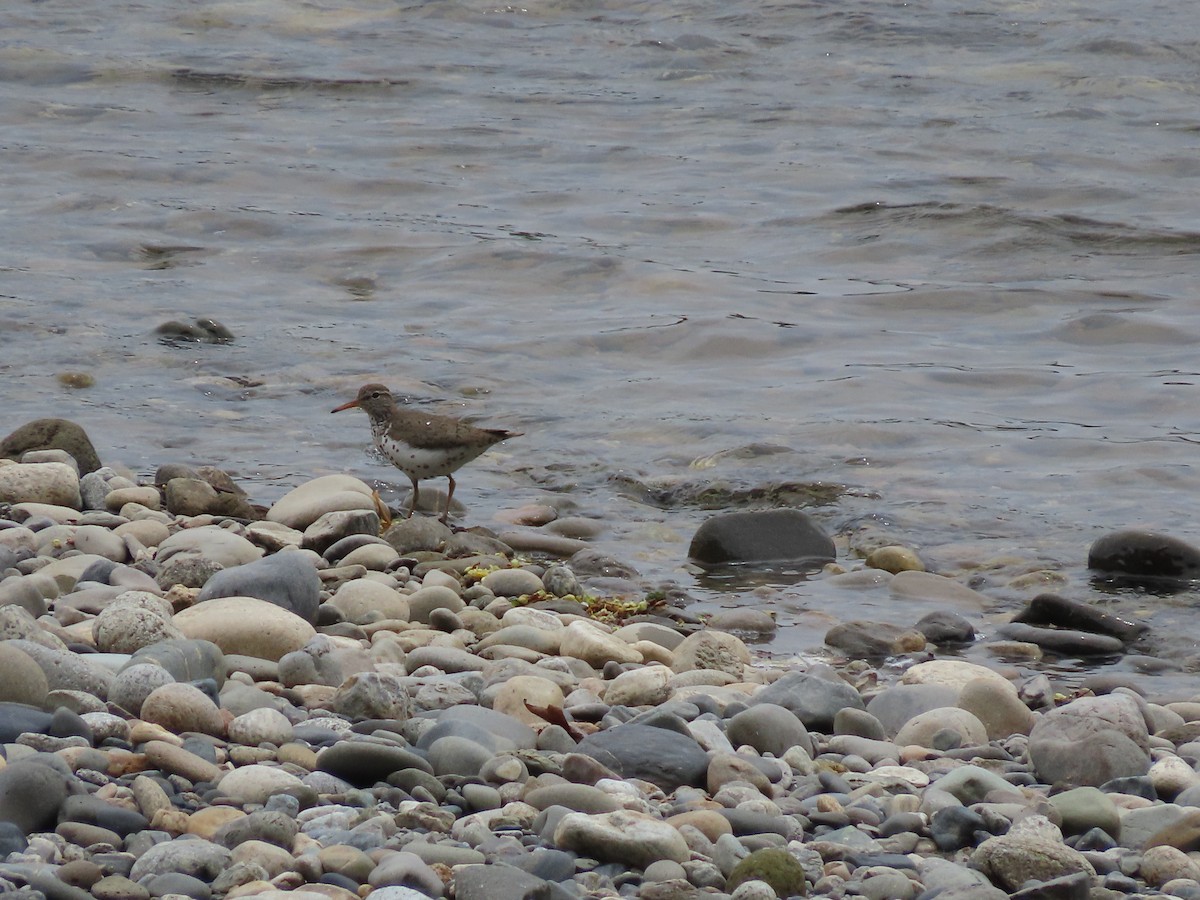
(315, 696)
(583, 640)
(172, 821)
(1013, 650)
(183, 707)
(949, 672)
(141, 732)
(895, 559)
(708, 822)
(248, 756)
(146, 497)
(207, 822)
(712, 650)
(245, 625)
(654, 653)
(178, 761)
(124, 762)
(297, 755)
(262, 889)
(828, 804)
(511, 698)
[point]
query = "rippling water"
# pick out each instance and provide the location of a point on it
(943, 254)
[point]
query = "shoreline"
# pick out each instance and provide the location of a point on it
(212, 705)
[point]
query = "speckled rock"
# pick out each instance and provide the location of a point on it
(622, 836)
(53, 483)
(1090, 741)
(712, 650)
(182, 707)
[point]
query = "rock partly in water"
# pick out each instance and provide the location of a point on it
(56, 434)
(762, 536)
(1144, 554)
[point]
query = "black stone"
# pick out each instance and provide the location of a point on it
(1146, 554)
(944, 627)
(954, 827)
(363, 763)
(762, 536)
(1051, 609)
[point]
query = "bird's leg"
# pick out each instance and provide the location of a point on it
(449, 497)
(412, 507)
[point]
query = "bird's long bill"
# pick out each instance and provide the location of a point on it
(353, 404)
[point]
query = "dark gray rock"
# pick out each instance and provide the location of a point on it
(1144, 554)
(897, 704)
(945, 627)
(288, 580)
(31, 792)
(662, 757)
(954, 827)
(90, 810)
(769, 728)
(363, 763)
(497, 882)
(186, 659)
(269, 826)
(1060, 612)
(332, 527)
(52, 434)
(762, 536)
(18, 718)
(1062, 640)
(813, 699)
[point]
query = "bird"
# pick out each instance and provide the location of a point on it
(422, 445)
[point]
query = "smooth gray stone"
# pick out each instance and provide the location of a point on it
(288, 580)
(769, 728)
(363, 763)
(895, 705)
(186, 659)
(91, 810)
(813, 699)
(496, 882)
(665, 758)
(31, 792)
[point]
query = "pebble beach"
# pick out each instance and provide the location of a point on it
(201, 697)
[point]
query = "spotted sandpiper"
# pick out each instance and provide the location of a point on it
(422, 445)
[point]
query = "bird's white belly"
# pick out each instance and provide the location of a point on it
(420, 463)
